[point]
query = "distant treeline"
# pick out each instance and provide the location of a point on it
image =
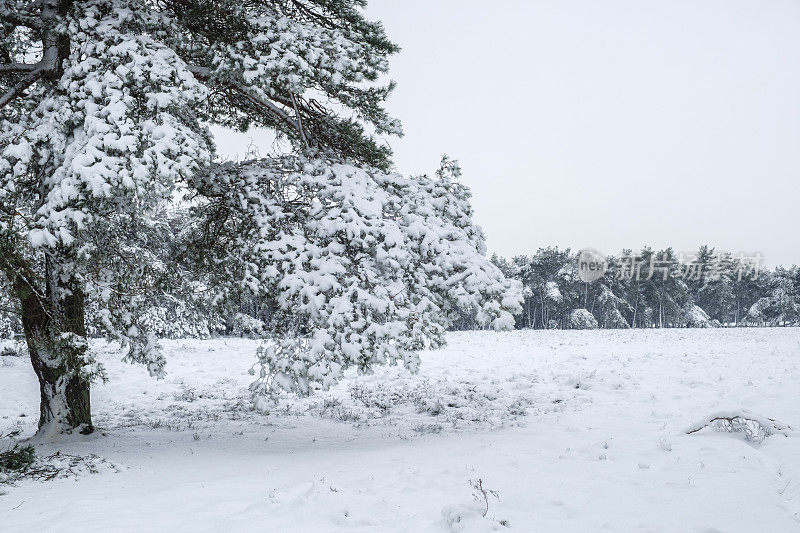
(651, 289)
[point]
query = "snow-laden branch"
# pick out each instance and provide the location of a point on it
(299, 121)
(23, 84)
(371, 278)
(6, 68)
(265, 106)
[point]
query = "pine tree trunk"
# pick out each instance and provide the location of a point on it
(55, 331)
(528, 306)
(64, 400)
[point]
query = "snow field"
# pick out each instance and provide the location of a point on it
(575, 430)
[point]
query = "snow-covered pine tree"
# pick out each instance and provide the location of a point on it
(781, 306)
(610, 308)
(110, 194)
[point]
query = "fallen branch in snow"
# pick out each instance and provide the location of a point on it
(56, 466)
(62, 465)
(10, 434)
(755, 427)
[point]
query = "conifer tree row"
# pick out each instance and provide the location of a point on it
(705, 289)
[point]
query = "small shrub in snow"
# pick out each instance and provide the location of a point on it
(695, 317)
(582, 319)
(247, 326)
(427, 429)
(372, 279)
(187, 394)
(15, 349)
(472, 516)
(481, 494)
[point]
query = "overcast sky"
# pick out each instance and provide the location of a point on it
(608, 124)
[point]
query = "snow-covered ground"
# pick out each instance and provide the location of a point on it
(574, 430)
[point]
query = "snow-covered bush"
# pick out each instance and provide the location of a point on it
(758, 312)
(11, 348)
(246, 326)
(694, 317)
(582, 319)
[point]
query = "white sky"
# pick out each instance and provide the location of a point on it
(609, 124)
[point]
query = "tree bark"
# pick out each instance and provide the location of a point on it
(55, 332)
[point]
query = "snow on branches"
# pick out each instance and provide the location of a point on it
(366, 266)
(114, 134)
(89, 160)
(114, 208)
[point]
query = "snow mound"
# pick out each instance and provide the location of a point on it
(468, 518)
(755, 427)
